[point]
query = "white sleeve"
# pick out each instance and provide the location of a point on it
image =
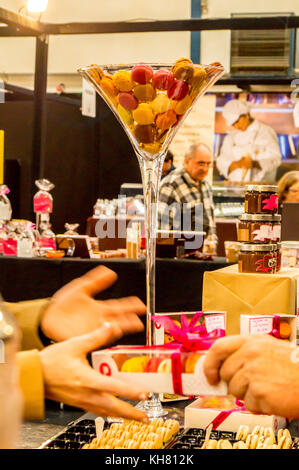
(268, 156)
(226, 156)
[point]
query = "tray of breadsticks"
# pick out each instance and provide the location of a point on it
(158, 369)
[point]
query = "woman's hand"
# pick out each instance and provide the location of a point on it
(70, 379)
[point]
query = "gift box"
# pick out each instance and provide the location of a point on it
(281, 326)
(249, 293)
(210, 320)
(225, 414)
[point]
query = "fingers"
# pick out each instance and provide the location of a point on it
(96, 280)
(103, 336)
(107, 405)
(238, 384)
(101, 383)
(218, 353)
(126, 305)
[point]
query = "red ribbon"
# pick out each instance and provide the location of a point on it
(223, 415)
(276, 327)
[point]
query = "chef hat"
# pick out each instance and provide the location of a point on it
(234, 109)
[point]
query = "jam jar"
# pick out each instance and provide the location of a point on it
(261, 199)
(257, 258)
(259, 228)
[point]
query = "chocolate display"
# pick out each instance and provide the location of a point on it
(259, 228)
(261, 199)
(257, 258)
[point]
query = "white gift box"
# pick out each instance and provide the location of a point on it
(105, 362)
(198, 417)
(263, 324)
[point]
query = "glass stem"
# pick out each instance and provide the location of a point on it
(151, 175)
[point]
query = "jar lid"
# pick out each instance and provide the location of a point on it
(261, 188)
(260, 217)
(252, 247)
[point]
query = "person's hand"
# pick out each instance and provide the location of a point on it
(69, 378)
(261, 370)
(246, 162)
(234, 166)
(73, 311)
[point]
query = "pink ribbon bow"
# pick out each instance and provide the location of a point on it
(5, 190)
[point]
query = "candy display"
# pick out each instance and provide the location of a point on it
(281, 326)
(135, 435)
(290, 254)
(148, 95)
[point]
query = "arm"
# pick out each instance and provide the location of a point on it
(226, 158)
(268, 153)
(165, 213)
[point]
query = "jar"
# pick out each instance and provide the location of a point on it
(257, 258)
(278, 257)
(259, 228)
(261, 199)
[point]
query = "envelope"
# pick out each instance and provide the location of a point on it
(249, 293)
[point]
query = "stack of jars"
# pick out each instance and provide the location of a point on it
(259, 231)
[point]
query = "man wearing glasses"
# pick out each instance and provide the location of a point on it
(250, 152)
(185, 191)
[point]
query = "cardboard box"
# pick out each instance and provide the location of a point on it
(198, 417)
(250, 294)
(212, 320)
(263, 325)
(110, 362)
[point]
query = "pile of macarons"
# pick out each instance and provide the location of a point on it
(156, 364)
(151, 102)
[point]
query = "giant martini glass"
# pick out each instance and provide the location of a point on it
(151, 102)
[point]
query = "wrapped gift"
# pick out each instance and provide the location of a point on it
(248, 293)
(226, 414)
(281, 326)
(170, 368)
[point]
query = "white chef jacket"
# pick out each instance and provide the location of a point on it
(261, 143)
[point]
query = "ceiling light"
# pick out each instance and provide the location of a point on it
(37, 6)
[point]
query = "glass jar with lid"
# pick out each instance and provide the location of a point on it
(259, 228)
(261, 199)
(257, 258)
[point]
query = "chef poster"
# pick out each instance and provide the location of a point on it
(199, 126)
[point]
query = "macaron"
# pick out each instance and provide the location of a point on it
(199, 76)
(145, 92)
(285, 330)
(178, 91)
(166, 120)
(135, 364)
(145, 133)
(191, 362)
(152, 364)
(96, 72)
(165, 366)
(142, 73)
(161, 104)
(180, 107)
(127, 100)
(143, 114)
(108, 87)
(163, 79)
(125, 115)
(122, 80)
(183, 69)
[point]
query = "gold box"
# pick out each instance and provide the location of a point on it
(246, 293)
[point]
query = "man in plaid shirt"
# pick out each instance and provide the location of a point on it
(185, 198)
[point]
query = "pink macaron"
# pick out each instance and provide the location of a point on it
(142, 73)
(178, 91)
(163, 79)
(127, 100)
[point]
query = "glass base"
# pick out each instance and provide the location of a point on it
(152, 407)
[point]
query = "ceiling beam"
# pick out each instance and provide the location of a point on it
(19, 25)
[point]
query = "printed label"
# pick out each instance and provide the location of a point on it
(262, 234)
(42, 203)
(214, 322)
(260, 326)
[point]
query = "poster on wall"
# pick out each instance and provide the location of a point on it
(199, 126)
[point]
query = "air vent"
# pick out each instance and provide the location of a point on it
(262, 52)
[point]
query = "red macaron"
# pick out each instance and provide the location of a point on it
(153, 364)
(142, 73)
(178, 91)
(163, 79)
(127, 100)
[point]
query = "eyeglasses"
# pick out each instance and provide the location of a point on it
(203, 164)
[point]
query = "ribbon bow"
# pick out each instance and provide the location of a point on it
(4, 190)
(190, 336)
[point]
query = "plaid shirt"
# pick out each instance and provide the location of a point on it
(178, 187)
